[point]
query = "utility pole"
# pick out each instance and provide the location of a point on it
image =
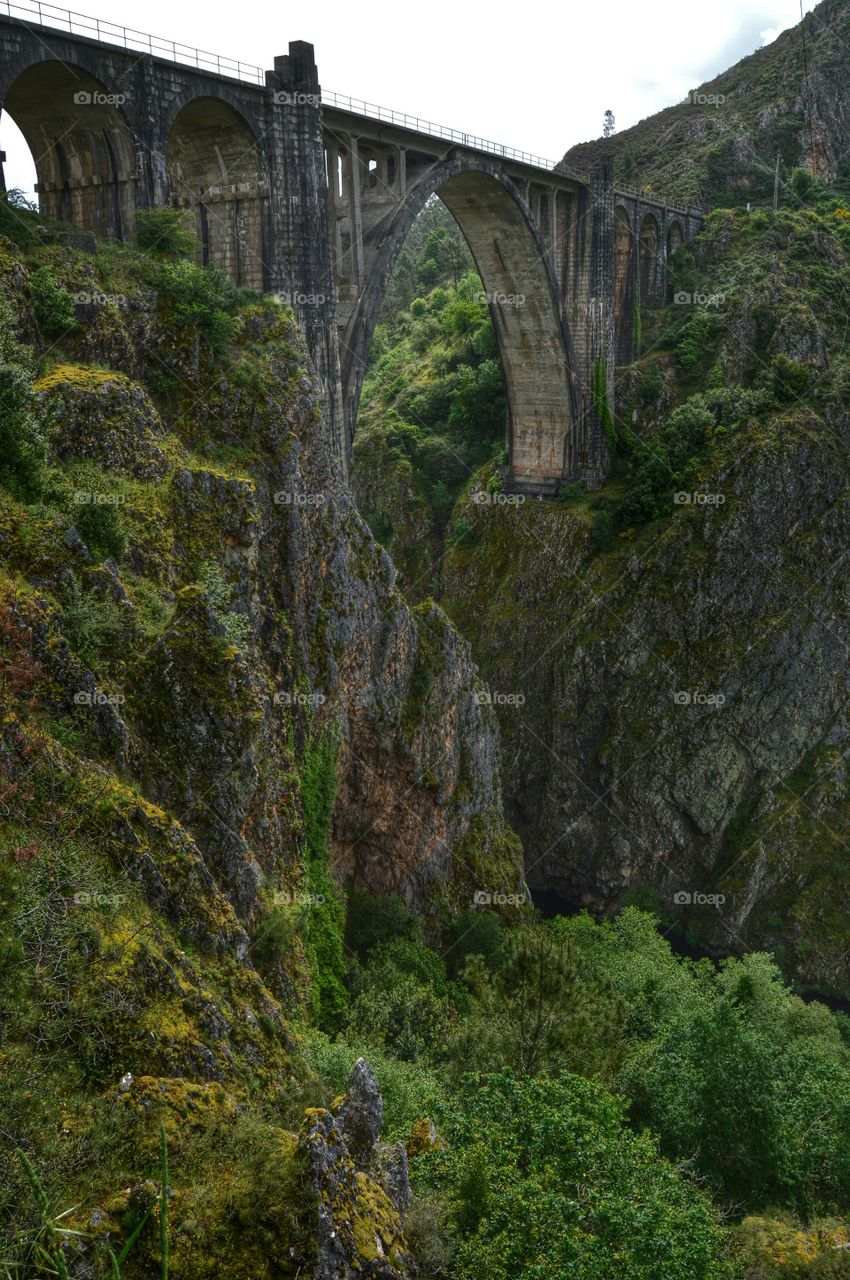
(776, 182)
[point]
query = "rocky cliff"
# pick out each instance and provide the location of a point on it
(669, 659)
(219, 714)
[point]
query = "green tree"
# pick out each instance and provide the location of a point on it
(543, 1181)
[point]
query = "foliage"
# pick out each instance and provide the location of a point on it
(90, 623)
(220, 593)
(326, 918)
(166, 232)
(19, 219)
(23, 449)
(198, 297)
(53, 305)
(544, 1181)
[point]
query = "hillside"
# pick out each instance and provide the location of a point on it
(676, 644)
(720, 145)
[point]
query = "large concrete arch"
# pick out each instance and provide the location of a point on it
(650, 259)
(515, 268)
(215, 166)
(624, 285)
(675, 237)
(81, 141)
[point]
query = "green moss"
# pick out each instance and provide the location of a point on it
(326, 923)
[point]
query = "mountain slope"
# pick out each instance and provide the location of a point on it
(721, 144)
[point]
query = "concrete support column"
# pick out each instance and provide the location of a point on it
(299, 259)
(355, 213)
(600, 352)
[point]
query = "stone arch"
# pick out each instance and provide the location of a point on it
(534, 343)
(81, 142)
(215, 167)
(624, 298)
(675, 237)
(649, 259)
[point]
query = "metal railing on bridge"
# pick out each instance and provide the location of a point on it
(357, 106)
(79, 24)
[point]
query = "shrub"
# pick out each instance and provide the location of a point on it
(602, 536)
(788, 378)
(23, 449)
(19, 219)
(371, 921)
(89, 623)
(650, 384)
(545, 1180)
(167, 232)
(53, 305)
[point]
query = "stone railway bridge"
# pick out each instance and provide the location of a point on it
(312, 196)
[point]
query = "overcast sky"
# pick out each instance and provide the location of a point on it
(537, 75)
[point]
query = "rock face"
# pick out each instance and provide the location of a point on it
(674, 710)
(361, 1197)
(671, 705)
(278, 620)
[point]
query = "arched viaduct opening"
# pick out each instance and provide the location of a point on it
(534, 346)
(624, 300)
(81, 144)
(675, 238)
(215, 168)
(649, 260)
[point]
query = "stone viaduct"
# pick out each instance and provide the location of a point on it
(311, 196)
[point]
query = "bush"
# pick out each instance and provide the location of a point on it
(53, 305)
(199, 297)
(23, 449)
(410, 1091)
(546, 1181)
(602, 537)
(89, 623)
(19, 219)
(167, 232)
(372, 921)
(650, 384)
(789, 379)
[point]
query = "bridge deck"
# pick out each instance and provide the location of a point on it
(101, 31)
